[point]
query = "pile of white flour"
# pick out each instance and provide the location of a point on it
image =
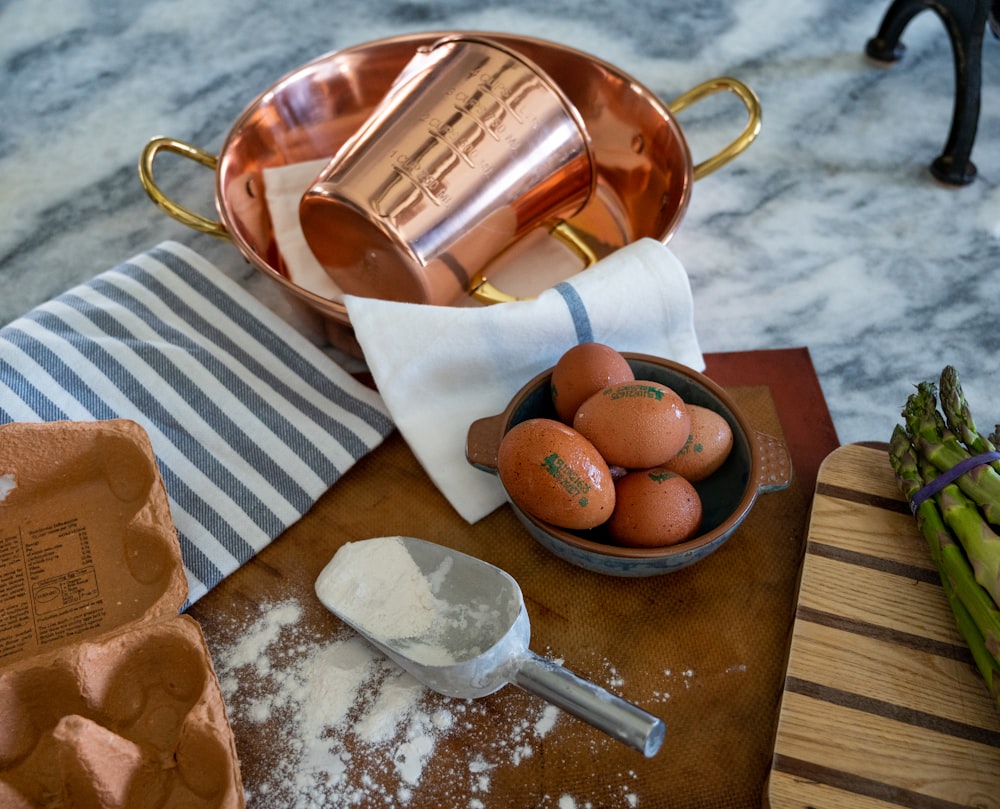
(377, 586)
(351, 729)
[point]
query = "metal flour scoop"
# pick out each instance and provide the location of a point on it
(459, 626)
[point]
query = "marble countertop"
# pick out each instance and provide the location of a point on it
(829, 232)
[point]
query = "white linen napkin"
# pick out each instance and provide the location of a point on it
(283, 190)
(440, 368)
(250, 422)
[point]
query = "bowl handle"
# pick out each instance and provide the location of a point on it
(743, 140)
(483, 442)
(183, 215)
(775, 464)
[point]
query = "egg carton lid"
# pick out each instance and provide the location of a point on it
(88, 547)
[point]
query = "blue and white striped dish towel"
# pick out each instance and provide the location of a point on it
(250, 422)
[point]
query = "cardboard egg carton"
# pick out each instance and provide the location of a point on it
(108, 696)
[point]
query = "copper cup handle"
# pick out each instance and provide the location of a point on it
(483, 290)
(183, 215)
(743, 140)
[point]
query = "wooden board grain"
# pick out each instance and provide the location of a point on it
(882, 706)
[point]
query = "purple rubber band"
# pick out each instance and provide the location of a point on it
(951, 476)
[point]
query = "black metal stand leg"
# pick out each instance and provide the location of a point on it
(965, 23)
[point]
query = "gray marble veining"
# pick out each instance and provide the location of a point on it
(829, 232)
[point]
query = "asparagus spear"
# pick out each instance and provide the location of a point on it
(985, 660)
(959, 417)
(980, 542)
(976, 616)
(932, 439)
(953, 566)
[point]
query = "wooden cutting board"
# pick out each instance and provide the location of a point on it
(881, 705)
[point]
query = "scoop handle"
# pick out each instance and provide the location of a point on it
(618, 718)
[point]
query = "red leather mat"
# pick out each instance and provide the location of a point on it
(704, 648)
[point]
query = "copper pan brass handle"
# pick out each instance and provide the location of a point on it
(483, 290)
(183, 215)
(743, 140)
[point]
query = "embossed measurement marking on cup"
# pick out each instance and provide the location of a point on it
(472, 147)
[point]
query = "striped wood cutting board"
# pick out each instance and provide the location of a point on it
(881, 706)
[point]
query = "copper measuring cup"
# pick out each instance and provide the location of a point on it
(644, 165)
(472, 147)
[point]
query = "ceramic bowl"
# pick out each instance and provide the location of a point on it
(758, 463)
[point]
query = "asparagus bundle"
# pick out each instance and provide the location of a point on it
(950, 474)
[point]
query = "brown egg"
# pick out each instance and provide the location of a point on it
(637, 424)
(707, 447)
(555, 474)
(654, 507)
(583, 371)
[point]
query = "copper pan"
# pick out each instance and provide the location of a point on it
(645, 170)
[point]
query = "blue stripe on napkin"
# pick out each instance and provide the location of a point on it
(577, 311)
(250, 422)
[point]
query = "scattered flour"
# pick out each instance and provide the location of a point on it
(351, 728)
(348, 729)
(546, 721)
